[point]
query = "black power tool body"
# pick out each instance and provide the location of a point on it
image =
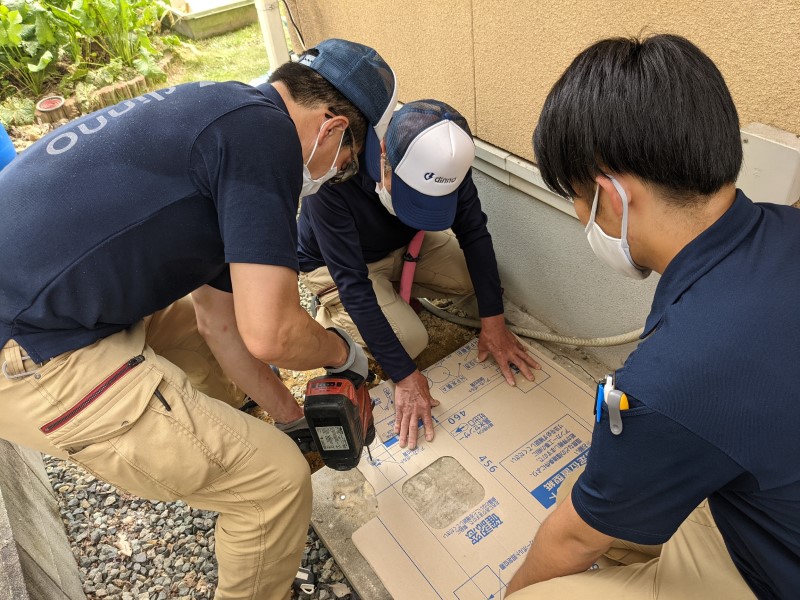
(338, 410)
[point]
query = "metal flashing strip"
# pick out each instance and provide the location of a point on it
(517, 173)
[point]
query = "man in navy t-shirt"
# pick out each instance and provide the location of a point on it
(110, 221)
(691, 482)
(353, 238)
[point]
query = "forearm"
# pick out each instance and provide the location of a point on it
(217, 324)
(274, 326)
(307, 345)
(562, 546)
(548, 557)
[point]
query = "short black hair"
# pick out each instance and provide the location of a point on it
(657, 108)
(309, 88)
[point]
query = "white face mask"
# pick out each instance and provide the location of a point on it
(615, 252)
(310, 185)
(384, 195)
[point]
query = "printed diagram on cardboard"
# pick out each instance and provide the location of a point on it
(456, 515)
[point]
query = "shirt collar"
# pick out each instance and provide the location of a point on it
(271, 94)
(702, 254)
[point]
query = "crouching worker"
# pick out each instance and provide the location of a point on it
(108, 222)
(353, 239)
(684, 485)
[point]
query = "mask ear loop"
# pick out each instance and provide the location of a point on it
(316, 143)
(595, 202)
(624, 240)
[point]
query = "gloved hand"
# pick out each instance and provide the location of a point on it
(355, 367)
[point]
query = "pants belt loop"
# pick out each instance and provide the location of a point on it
(13, 367)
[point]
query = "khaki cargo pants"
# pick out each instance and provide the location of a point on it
(148, 410)
(441, 273)
(693, 565)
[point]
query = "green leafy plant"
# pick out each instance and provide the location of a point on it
(119, 28)
(16, 111)
(29, 44)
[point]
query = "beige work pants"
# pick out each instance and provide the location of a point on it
(693, 564)
(441, 273)
(100, 408)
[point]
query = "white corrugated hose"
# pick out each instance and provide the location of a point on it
(545, 336)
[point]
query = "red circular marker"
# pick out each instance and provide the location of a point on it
(50, 103)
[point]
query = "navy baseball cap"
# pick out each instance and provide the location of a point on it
(364, 78)
(429, 146)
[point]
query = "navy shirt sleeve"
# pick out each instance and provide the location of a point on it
(250, 162)
(642, 484)
(337, 235)
(476, 243)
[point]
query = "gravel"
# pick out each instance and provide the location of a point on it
(134, 549)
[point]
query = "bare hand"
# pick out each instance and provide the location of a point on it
(497, 340)
(412, 402)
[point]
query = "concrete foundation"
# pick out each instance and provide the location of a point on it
(215, 19)
(36, 562)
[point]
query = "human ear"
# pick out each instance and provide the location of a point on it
(615, 200)
(337, 125)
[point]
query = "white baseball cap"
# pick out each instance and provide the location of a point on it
(430, 149)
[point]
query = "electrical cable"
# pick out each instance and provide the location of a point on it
(294, 24)
(614, 340)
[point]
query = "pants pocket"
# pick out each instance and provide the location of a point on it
(180, 444)
(107, 411)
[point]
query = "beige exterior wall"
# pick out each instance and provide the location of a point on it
(496, 60)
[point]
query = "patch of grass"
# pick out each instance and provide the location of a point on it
(236, 56)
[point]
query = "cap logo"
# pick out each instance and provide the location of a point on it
(445, 180)
(428, 176)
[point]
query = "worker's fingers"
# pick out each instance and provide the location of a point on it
(528, 359)
(482, 354)
(427, 422)
(434, 402)
(525, 370)
(508, 374)
(404, 429)
(413, 430)
(522, 360)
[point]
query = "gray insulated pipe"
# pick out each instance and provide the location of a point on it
(614, 340)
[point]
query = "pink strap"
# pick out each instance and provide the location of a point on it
(409, 265)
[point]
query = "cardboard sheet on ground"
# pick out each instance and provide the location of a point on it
(456, 515)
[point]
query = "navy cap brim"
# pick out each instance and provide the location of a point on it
(372, 155)
(428, 213)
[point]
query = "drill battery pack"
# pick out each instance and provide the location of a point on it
(339, 415)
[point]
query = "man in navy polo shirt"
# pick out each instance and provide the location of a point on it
(109, 222)
(698, 475)
(352, 239)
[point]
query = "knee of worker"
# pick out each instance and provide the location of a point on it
(334, 315)
(412, 335)
(287, 471)
(323, 316)
(297, 477)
